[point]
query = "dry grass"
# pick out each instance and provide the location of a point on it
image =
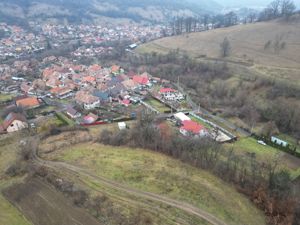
(9, 215)
(158, 173)
(248, 45)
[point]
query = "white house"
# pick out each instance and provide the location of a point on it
(170, 94)
(94, 103)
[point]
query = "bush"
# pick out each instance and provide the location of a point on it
(15, 170)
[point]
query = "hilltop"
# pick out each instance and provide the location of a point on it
(99, 10)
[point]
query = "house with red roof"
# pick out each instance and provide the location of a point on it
(61, 92)
(190, 127)
(89, 79)
(28, 102)
(141, 80)
(95, 68)
(125, 102)
(115, 69)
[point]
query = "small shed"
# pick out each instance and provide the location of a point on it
(122, 125)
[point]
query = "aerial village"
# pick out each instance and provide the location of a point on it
(72, 94)
(57, 91)
(17, 42)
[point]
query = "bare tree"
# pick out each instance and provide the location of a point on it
(225, 47)
(275, 8)
(252, 17)
(287, 8)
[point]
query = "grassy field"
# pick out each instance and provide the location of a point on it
(9, 215)
(5, 97)
(250, 145)
(157, 173)
(157, 105)
(246, 145)
(65, 119)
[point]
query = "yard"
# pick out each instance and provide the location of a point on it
(158, 173)
(246, 145)
(5, 97)
(65, 119)
(158, 105)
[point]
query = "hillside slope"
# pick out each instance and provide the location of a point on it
(274, 45)
(136, 10)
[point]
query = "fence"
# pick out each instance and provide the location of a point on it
(232, 136)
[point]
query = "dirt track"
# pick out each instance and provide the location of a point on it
(117, 186)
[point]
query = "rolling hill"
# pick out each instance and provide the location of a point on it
(95, 10)
(273, 47)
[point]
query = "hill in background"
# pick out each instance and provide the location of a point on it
(274, 45)
(95, 10)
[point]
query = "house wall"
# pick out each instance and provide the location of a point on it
(16, 125)
(92, 106)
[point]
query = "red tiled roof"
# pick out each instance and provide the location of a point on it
(126, 102)
(89, 79)
(28, 102)
(10, 118)
(95, 67)
(115, 68)
(140, 80)
(47, 72)
(165, 90)
(192, 126)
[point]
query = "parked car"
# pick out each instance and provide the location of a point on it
(261, 142)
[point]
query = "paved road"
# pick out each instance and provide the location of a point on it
(121, 187)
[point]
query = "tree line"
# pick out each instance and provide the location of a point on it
(180, 25)
(277, 9)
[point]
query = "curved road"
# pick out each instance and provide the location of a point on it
(117, 186)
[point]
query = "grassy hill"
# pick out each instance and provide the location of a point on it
(255, 43)
(157, 173)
